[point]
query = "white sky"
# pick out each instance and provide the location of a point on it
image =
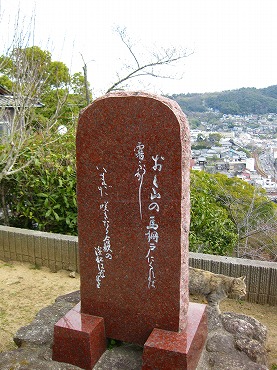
(234, 41)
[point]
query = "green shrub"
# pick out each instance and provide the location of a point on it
(43, 195)
(211, 230)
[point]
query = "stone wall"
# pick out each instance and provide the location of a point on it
(55, 251)
(58, 251)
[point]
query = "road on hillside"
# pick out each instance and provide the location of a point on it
(265, 165)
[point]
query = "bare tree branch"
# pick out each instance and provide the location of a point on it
(163, 57)
(126, 41)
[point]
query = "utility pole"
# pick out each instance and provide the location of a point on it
(86, 83)
(86, 80)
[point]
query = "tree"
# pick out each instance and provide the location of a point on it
(252, 213)
(33, 77)
(211, 230)
(230, 216)
(31, 73)
(214, 137)
(149, 65)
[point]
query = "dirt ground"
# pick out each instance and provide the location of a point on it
(24, 290)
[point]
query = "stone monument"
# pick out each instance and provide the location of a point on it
(133, 155)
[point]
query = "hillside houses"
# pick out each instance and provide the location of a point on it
(230, 157)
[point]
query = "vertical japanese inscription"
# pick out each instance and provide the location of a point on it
(104, 250)
(139, 152)
(152, 234)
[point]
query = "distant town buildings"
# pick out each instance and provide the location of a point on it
(247, 148)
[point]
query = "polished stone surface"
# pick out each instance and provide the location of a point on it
(133, 156)
(79, 339)
(133, 163)
(165, 350)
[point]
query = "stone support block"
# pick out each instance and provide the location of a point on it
(79, 339)
(167, 350)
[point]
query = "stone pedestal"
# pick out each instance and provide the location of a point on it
(79, 339)
(167, 350)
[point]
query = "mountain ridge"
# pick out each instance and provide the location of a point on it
(243, 101)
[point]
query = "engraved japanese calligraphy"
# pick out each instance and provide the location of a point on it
(140, 172)
(152, 234)
(103, 251)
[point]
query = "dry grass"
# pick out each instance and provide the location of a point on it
(24, 290)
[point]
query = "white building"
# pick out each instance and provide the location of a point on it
(250, 164)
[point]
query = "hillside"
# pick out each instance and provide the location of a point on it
(242, 101)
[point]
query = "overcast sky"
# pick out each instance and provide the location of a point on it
(233, 41)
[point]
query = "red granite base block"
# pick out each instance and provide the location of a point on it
(79, 339)
(167, 350)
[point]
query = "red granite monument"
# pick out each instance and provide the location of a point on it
(133, 155)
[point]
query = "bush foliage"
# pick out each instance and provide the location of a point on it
(211, 230)
(43, 195)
